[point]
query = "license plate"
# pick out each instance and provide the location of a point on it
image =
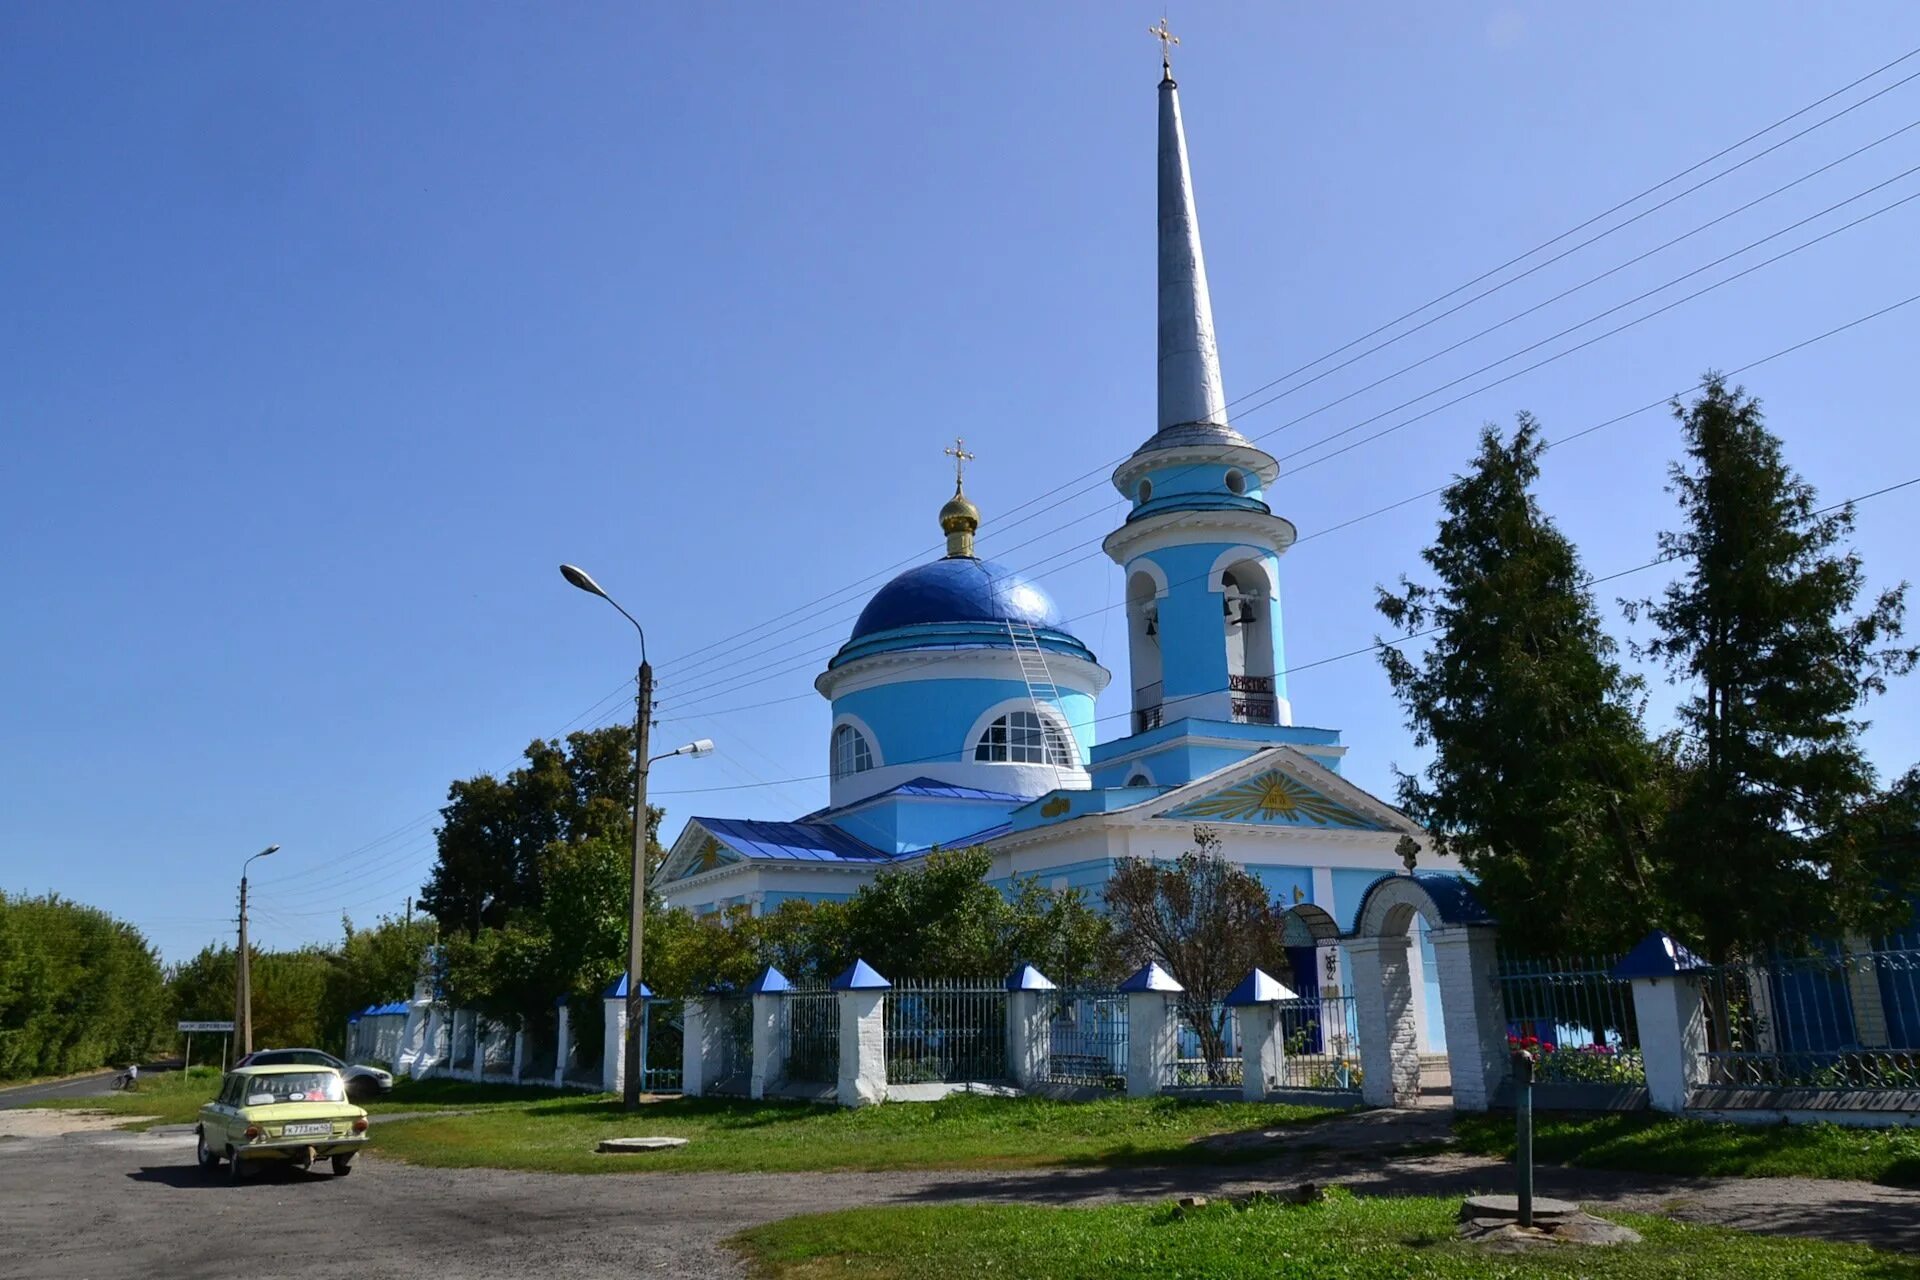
(301, 1130)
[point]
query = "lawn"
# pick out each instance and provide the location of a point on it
(558, 1134)
(1646, 1143)
(1343, 1237)
(175, 1097)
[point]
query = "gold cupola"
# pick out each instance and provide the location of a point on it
(959, 519)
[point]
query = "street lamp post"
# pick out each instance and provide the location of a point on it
(243, 976)
(637, 917)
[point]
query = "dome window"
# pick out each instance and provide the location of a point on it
(1236, 482)
(1146, 491)
(852, 753)
(1025, 737)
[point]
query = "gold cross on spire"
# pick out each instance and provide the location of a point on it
(960, 458)
(1167, 40)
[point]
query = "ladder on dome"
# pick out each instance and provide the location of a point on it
(1040, 686)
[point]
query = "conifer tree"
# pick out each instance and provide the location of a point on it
(1760, 626)
(1542, 782)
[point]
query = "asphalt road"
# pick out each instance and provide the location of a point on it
(107, 1204)
(81, 1087)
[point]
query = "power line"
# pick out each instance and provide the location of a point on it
(820, 601)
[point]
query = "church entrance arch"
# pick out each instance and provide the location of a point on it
(1381, 954)
(1320, 1028)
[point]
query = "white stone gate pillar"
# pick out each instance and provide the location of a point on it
(1152, 1029)
(1671, 1017)
(1383, 1007)
(768, 993)
(1475, 1015)
(563, 1043)
(1263, 1045)
(863, 1035)
(613, 1044)
(695, 1050)
(1029, 1025)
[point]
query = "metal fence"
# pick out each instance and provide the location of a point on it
(1321, 1038)
(1574, 1016)
(662, 1041)
(1836, 1019)
(1087, 1039)
(946, 1031)
(733, 1029)
(1206, 1049)
(810, 1035)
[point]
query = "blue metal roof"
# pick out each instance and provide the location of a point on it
(860, 976)
(1453, 897)
(918, 788)
(769, 982)
(790, 841)
(618, 991)
(1028, 978)
(1258, 987)
(1151, 977)
(956, 589)
(1658, 955)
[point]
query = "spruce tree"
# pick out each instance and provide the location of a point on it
(1542, 782)
(1757, 850)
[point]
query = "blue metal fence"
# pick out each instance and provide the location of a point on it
(1087, 1039)
(946, 1031)
(810, 1035)
(1834, 1020)
(1574, 1017)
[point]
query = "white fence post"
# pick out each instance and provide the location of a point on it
(1152, 1029)
(863, 1035)
(768, 992)
(519, 1055)
(696, 1019)
(1263, 1047)
(1383, 1007)
(1029, 1025)
(1671, 1018)
(1475, 1015)
(613, 1044)
(563, 1044)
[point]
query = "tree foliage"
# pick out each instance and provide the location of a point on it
(78, 989)
(1761, 628)
(1542, 782)
(1206, 920)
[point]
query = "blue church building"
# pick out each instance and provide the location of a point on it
(962, 706)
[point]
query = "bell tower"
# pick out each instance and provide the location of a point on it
(1200, 548)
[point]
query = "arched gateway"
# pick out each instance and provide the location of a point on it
(1462, 932)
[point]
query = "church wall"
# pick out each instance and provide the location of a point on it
(918, 822)
(1192, 631)
(1185, 480)
(923, 728)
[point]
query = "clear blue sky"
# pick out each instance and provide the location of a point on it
(326, 333)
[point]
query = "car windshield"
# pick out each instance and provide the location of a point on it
(294, 1086)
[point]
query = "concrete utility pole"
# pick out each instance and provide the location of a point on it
(243, 976)
(637, 905)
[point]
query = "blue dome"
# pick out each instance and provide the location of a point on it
(956, 589)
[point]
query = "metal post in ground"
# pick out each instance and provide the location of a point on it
(1523, 1133)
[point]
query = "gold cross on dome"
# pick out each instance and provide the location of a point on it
(960, 458)
(1167, 40)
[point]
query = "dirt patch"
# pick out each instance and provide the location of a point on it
(31, 1122)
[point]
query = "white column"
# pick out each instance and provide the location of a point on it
(769, 1059)
(1672, 1022)
(1383, 1006)
(863, 1047)
(563, 1047)
(613, 1045)
(1475, 1015)
(519, 1055)
(1152, 1031)
(1263, 1049)
(1029, 1029)
(693, 1048)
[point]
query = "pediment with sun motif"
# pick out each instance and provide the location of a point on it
(1274, 798)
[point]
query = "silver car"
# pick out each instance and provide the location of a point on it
(363, 1081)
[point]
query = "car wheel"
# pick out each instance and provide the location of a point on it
(209, 1158)
(359, 1089)
(235, 1175)
(342, 1166)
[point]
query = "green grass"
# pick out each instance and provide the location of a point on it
(175, 1097)
(1342, 1237)
(1663, 1144)
(558, 1134)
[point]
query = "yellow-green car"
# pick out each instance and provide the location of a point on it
(293, 1113)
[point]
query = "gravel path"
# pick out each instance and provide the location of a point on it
(108, 1205)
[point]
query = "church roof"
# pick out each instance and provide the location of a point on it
(956, 589)
(920, 788)
(791, 841)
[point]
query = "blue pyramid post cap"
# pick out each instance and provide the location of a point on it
(618, 990)
(1151, 977)
(860, 976)
(353, 1017)
(1028, 978)
(769, 982)
(1658, 955)
(1258, 987)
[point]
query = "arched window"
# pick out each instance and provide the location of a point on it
(1025, 737)
(852, 753)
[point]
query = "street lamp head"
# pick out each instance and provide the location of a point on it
(272, 848)
(698, 747)
(582, 579)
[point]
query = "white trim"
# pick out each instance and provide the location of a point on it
(1245, 456)
(1216, 576)
(1196, 740)
(906, 666)
(865, 730)
(1181, 528)
(1141, 564)
(1136, 771)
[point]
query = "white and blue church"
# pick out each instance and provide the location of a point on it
(963, 707)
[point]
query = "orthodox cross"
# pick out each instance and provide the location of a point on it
(960, 458)
(1167, 40)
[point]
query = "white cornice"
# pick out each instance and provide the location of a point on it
(1177, 528)
(906, 665)
(1196, 740)
(1244, 456)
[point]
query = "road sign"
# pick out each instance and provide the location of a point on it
(206, 1026)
